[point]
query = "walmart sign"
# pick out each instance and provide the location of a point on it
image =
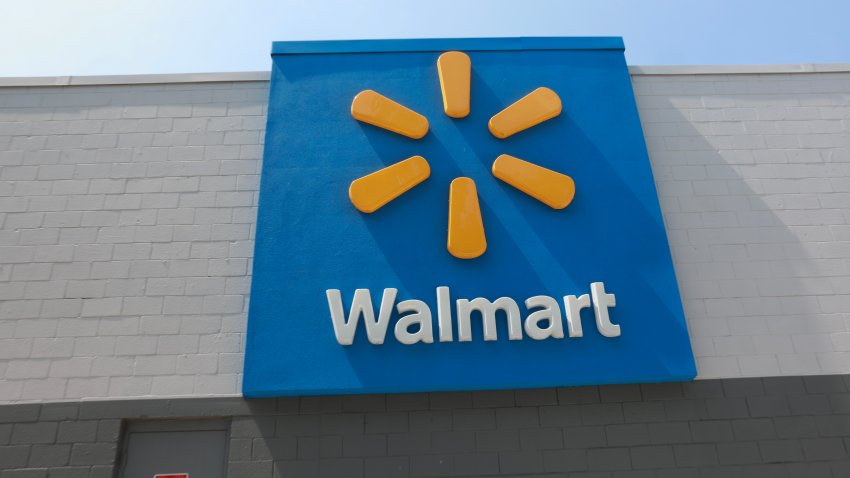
(458, 214)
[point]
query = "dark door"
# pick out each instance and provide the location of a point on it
(196, 448)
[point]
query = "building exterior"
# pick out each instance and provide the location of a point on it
(127, 219)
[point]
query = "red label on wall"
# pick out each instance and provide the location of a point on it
(171, 475)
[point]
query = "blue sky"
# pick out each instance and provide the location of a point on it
(91, 37)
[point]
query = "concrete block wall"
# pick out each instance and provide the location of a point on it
(126, 235)
(778, 427)
(127, 212)
(753, 175)
(57, 441)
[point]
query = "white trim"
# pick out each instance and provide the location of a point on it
(740, 69)
(135, 79)
(264, 75)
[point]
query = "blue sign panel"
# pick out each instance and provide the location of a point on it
(411, 240)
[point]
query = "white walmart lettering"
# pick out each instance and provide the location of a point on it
(415, 323)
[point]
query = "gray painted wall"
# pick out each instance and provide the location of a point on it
(772, 427)
(127, 213)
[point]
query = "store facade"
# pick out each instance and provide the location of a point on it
(129, 223)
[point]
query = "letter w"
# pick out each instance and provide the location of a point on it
(376, 330)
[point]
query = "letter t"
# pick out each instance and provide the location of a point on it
(601, 302)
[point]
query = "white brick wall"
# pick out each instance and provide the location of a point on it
(127, 212)
(126, 235)
(753, 174)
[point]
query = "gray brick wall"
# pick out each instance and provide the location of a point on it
(127, 216)
(56, 440)
(771, 427)
(753, 176)
(126, 237)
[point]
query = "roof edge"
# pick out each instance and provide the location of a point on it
(442, 44)
(740, 69)
(662, 70)
(237, 76)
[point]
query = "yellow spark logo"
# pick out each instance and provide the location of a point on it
(466, 238)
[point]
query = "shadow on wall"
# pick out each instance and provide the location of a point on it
(746, 238)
